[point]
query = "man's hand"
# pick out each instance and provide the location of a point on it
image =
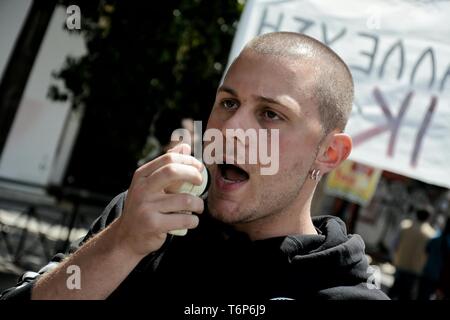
(106, 259)
(150, 212)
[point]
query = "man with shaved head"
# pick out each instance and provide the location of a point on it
(255, 238)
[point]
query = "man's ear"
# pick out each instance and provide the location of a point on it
(334, 151)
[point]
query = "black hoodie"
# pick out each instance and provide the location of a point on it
(214, 263)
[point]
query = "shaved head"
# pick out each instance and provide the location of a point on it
(332, 78)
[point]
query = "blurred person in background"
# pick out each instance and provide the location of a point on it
(434, 283)
(410, 254)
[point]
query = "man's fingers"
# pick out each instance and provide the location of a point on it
(182, 148)
(170, 174)
(168, 158)
(179, 202)
(179, 221)
(165, 222)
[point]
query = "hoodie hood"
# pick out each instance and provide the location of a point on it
(334, 260)
(329, 265)
(332, 248)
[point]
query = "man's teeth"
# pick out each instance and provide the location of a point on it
(229, 181)
(232, 174)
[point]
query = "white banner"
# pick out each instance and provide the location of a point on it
(399, 55)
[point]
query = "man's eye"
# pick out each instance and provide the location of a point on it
(229, 104)
(268, 114)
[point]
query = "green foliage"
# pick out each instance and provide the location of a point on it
(144, 58)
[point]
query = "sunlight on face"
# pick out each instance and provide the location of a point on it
(264, 92)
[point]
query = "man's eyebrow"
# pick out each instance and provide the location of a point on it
(260, 98)
(227, 90)
(272, 100)
(268, 100)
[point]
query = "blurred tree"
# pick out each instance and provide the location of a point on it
(144, 58)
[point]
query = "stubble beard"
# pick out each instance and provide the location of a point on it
(272, 201)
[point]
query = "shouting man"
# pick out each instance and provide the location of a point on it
(253, 236)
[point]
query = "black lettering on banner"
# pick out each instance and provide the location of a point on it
(401, 57)
(429, 52)
(371, 54)
(444, 78)
(306, 24)
(330, 41)
(265, 24)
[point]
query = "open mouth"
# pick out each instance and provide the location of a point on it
(232, 173)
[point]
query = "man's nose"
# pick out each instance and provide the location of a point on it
(243, 120)
(240, 119)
